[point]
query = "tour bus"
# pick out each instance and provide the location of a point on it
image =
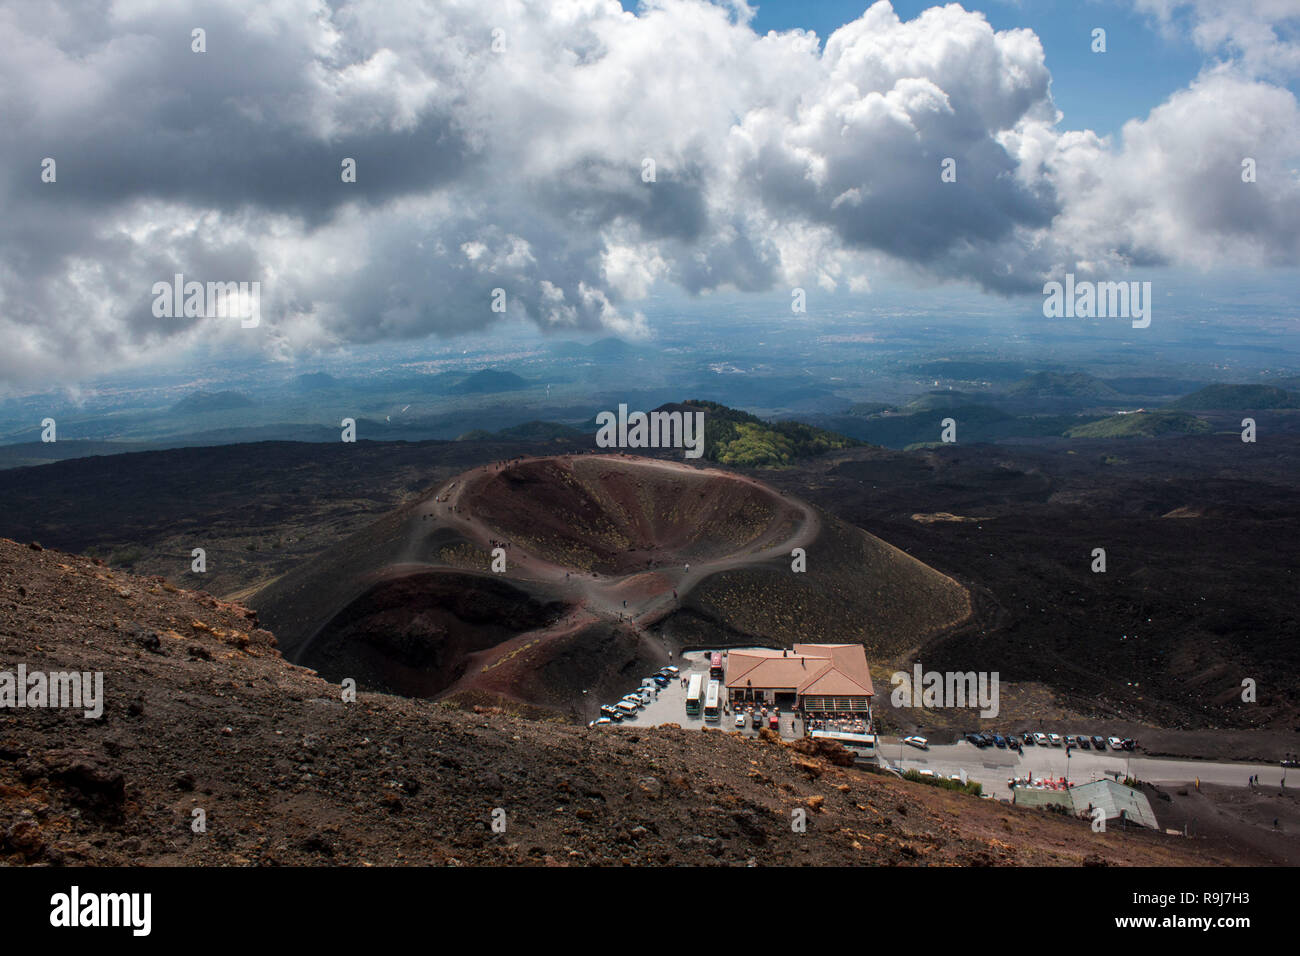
(713, 709)
(715, 666)
(693, 694)
(862, 746)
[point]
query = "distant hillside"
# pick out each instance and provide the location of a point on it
(1062, 385)
(610, 348)
(945, 398)
(970, 370)
(1237, 398)
(734, 437)
(311, 381)
(1152, 385)
(25, 454)
(528, 431)
(488, 380)
(865, 409)
(1141, 425)
(212, 402)
(606, 348)
(975, 423)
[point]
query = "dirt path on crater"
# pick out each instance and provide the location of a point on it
(638, 599)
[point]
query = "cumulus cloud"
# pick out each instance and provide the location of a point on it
(503, 145)
(1261, 37)
(1175, 192)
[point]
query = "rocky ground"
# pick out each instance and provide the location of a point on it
(201, 712)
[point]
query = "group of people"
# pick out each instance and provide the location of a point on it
(820, 721)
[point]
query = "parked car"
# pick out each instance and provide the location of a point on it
(1115, 743)
(661, 679)
(636, 700)
(988, 739)
(670, 671)
(599, 721)
(999, 742)
(627, 708)
(920, 743)
(756, 720)
(1042, 740)
(612, 712)
(774, 722)
(975, 739)
(1099, 741)
(1082, 741)
(1027, 739)
(1129, 743)
(740, 719)
(1055, 739)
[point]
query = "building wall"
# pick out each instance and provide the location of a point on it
(758, 694)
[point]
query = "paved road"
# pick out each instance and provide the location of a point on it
(992, 767)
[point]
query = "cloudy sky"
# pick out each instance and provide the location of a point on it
(505, 145)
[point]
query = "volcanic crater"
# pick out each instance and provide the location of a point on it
(611, 562)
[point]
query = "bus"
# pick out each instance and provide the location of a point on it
(712, 709)
(862, 746)
(693, 696)
(715, 666)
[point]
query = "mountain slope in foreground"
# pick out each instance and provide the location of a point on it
(201, 711)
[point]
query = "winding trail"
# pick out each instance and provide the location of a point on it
(596, 597)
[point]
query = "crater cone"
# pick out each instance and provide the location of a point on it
(610, 562)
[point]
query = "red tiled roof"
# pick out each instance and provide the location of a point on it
(828, 670)
(849, 659)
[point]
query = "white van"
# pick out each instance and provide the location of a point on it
(627, 708)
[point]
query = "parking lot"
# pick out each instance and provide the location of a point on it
(669, 707)
(993, 767)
